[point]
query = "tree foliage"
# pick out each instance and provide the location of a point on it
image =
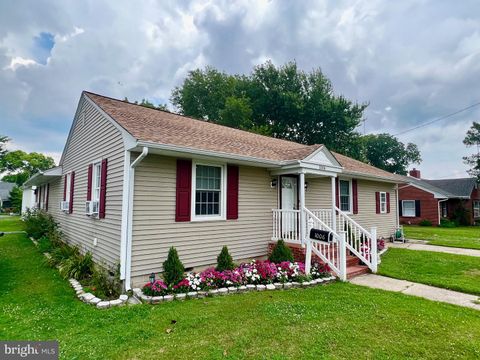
(387, 152)
(472, 138)
(19, 165)
(173, 268)
(224, 260)
(148, 104)
(3, 146)
(288, 103)
(16, 199)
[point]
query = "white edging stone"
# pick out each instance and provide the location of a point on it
(260, 287)
(103, 305)
(270, 287)
(222, 291)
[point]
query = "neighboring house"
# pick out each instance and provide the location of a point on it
(134, 181)
(5, 189)
(433, 200)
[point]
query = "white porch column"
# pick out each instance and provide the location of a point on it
(342, 257)
(302, 205)
(373, 249)
(334, 203)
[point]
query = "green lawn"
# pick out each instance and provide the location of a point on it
(10, 223)
(463, 237)
(336, 321)
(455, 272)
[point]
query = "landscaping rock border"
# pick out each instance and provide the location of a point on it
(228, 291)
(90, 298)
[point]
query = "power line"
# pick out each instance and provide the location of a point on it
(438, 119)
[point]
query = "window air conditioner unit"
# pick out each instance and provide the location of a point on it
(64, 205)
(91, 208)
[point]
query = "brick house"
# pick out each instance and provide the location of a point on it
(433, 200)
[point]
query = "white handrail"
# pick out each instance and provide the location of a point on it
(286, 225)
(360, 242)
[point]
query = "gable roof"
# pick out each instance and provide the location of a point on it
(457, 187)
(162, 127)
(423, 185)
(5, 188)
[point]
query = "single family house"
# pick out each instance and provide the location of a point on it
(434, 200)
(134, 181)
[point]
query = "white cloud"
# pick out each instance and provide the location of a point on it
(413, 61)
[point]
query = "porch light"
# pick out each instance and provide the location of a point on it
(306, 185)
(273, 183)
(152, 278)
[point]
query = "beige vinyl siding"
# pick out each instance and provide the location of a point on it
(93, 138)
(367, 216)
(319, 195)
(198, 242)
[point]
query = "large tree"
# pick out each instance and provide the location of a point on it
(19, 165)
(284, 102)
(387, 152)
(473, 139)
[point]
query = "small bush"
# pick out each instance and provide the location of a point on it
(38, 223)
(173, 268)
(79, 267)
(105, 282)
(224, 260)
(44, 244)
(425, 222)
(445, 223)
(280, 253)
(62, 253)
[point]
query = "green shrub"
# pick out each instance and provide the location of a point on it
(62, 253)
(461, 216)
(445, 223)
(38, 223)
(281, 252)
(173, 268)
(105, 282)
(224, 260)
(44, 244)
(425, 222)
(79, 267)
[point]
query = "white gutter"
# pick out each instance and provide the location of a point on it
(127, 215)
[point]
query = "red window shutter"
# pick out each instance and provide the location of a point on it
(337, 193)
(377, 202)
(184, 190)
(388, 203)
(103, 190)
(89, 182)
(65, 188)
(355, 196)
(232, 192)
(72, 188)
(47, 192)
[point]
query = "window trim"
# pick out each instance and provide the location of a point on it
(443, 206)
(223, 192)
(478, 214)
(414, 209)
(96, 164)
(350, 195)
(384, 193)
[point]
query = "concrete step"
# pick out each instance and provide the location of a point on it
(356, 270)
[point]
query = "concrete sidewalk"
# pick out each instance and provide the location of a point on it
(416, 289)
(436, 248)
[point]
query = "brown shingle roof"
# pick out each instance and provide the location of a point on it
(355, 166)
(163, 127)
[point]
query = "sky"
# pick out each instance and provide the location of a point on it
(413, 61)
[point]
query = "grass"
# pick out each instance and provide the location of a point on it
(463, 237)
(335, 322)
(11, 223)
(455, 272)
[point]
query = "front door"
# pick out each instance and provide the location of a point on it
(289, 201)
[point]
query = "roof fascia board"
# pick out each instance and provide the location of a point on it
(362, 176)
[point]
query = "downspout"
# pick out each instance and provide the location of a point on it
(129, 209)
(397, 215)
(439, 211)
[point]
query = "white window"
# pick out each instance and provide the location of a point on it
(383, 202)
(345, 189)
(96, 178)
(68, 186)
(476, 209)
(408, 208)
(209, 192)
(444, 209)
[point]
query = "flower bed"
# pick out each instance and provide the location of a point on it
(255, 275)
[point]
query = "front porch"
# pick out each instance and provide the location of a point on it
(348, 248)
